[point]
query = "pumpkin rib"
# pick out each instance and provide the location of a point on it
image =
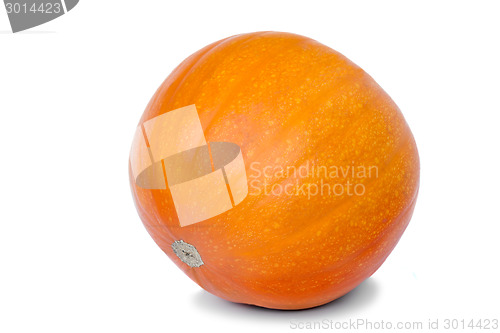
(334, 209)
(287, 128)
(381, 235)
(175, 76)
(248, 70)
(180, 76)
(184, 76)
(214, 111)
(239, 84)
(210, 52)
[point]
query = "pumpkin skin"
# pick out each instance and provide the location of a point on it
(288, 100)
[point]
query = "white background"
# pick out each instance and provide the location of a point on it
(74, 256)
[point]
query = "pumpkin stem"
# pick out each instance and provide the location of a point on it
(187, 253)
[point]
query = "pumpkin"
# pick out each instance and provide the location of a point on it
(273, 171)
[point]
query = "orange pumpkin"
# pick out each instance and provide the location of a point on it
(326, 183)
